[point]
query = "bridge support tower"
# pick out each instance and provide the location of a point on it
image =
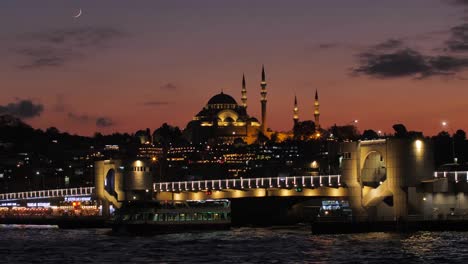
(384, 177)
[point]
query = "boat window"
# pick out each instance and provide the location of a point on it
(150, 216)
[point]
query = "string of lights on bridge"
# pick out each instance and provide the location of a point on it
(289, 182)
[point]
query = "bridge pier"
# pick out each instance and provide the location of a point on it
(384, 176)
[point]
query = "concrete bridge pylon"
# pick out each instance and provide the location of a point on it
(384, 176)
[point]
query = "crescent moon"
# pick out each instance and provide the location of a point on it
(79, 14)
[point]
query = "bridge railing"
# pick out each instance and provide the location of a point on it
(456, 176)
(250, 183)
(47, 193)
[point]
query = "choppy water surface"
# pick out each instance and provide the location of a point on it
(240, 245)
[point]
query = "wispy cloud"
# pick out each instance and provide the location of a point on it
(104, 122)
(99, 121)
(169, 87)
(60, 106)
(458, 41)
(79, 117)
(59, 47)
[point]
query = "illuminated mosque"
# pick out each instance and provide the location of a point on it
(223, 120)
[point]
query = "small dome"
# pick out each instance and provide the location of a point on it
(253, 119)
(222, 99)
(228, 119)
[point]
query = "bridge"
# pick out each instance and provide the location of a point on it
(297, 183)
(288, 183)
(391, 178)
(47, 194)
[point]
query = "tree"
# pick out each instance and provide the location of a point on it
(369, 134)
(304, 130)
(261, 138)
(52, 131)
(347, 132)
(400, 131)
(166, 135)
(459, 135)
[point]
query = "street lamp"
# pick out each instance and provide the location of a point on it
(445, 125)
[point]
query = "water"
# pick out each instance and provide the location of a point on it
(21, 244)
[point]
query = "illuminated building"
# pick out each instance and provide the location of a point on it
(307, 129)
(317, 112)
(295, 112)
(149, 151)
(223, 120)
(263, 100)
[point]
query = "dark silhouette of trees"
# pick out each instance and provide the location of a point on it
(369, 134)
(400, 131)
(347, 132)
(167, 135)
(304, 130)
(261, 138)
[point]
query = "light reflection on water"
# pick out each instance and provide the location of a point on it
(239, 245)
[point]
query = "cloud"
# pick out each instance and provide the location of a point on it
(84, 118)
(389, 44)
(23, 109)
(104, 122)
(60, 106)
(392, 59)
(405, 62)
(59, 47)
(169, 87)
(458, 2)
(458, 41)
(79, 117)
(445, 64)
(156, 103)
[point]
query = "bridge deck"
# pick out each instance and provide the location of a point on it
(201, 185)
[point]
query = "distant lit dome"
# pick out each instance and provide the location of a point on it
(222, 99)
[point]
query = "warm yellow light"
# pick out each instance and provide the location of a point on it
(314, 164)
(418, 144)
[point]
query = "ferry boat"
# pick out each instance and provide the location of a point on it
(156, 217)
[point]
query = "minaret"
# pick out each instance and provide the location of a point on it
(295, 112)
(244, 93)
(263, 100)
(317, 112)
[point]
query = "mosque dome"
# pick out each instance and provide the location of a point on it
(222, 99)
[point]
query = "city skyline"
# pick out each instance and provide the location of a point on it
(112, 70)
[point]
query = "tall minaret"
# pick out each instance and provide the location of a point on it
(317, 111)
(244, 93)
(295, 112)
(263, 100)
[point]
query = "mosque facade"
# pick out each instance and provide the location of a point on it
(223, 120)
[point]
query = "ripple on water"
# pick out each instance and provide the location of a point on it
(238, 245)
